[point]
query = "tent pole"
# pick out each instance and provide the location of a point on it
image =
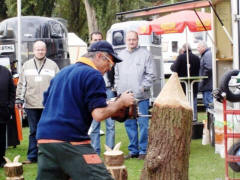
(224, 29)
(188, 67)
(205, 28)
(189, 89)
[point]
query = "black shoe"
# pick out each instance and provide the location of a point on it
(28, 162)
(142, 156)
(129, 156)
(2, 164)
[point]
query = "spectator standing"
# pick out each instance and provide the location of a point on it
(135, 73)
(33, 81)
(80, 95)
(180, 67)
(205, 86)
(7, 98)
(95, 36)
(110, 125)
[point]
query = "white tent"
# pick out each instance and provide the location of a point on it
(77, 47)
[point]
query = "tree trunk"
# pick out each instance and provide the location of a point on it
(169, 135)
(91, 17)
(13, 170)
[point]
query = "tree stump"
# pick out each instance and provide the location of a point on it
(13, 170)
(169, 135)
(114, 160)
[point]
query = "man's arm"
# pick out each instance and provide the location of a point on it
(21, 88)
(12, 92)
(207, 65)
(175, 66)
(148, 73)
(125, 100)
(116, 76)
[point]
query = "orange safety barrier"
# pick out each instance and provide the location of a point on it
(18, 113)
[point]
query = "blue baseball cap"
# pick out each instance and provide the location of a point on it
(105, 47)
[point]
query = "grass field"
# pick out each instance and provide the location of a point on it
(204, 163)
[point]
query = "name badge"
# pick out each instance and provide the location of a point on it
(38, 78)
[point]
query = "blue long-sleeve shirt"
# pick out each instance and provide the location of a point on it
(73, 94)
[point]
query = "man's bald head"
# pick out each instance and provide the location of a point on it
(39, 50)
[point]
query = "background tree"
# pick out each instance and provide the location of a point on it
(31, 7)
(3, 10)
(91, 16)
(74, 12)
(83, 16)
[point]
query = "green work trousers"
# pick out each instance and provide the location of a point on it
(64, 161)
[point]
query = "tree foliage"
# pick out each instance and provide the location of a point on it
(75, 13)
(3, 10)
(31, 7)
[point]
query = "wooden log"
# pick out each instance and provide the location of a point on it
(13, 170)
(118, 172)
(15, 178)
(114, 159)
(169, 135)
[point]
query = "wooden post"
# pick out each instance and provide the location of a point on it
(169, 135)
(114, 160)
(13, 170)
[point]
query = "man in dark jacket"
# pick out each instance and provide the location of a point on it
(7, 99)
(180, 67)
(205, 86)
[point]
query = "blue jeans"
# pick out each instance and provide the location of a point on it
(207, 98)
(195, 114)
(110, 130)
(136, 146)
(33, 116)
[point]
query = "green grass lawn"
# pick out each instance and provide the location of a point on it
(204, 163)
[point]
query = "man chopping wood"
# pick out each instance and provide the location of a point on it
(75, 97)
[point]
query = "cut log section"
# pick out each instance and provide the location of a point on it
(114, 160)
(169, 135)
(13, 170)
(118, 172)
(15, 178)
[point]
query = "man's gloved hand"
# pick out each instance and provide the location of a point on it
(121, 115)
(19, 103)
(129, 111)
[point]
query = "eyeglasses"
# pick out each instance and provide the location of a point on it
(109, 60)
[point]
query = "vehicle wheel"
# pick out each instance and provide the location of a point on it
(212, 131)
(234, 150)
(230, 86)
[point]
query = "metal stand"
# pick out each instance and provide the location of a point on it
(229, 158)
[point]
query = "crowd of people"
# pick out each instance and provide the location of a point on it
(65, 108)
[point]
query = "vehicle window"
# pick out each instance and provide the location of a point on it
(156, 39)
(174, 46)
(31, 30)
(118, 38)
(56, 30)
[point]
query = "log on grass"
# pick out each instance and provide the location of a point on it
(13, 170)
(169, 135)
(118, 172)
(114, 161)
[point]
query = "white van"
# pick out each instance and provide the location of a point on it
(116, 36)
